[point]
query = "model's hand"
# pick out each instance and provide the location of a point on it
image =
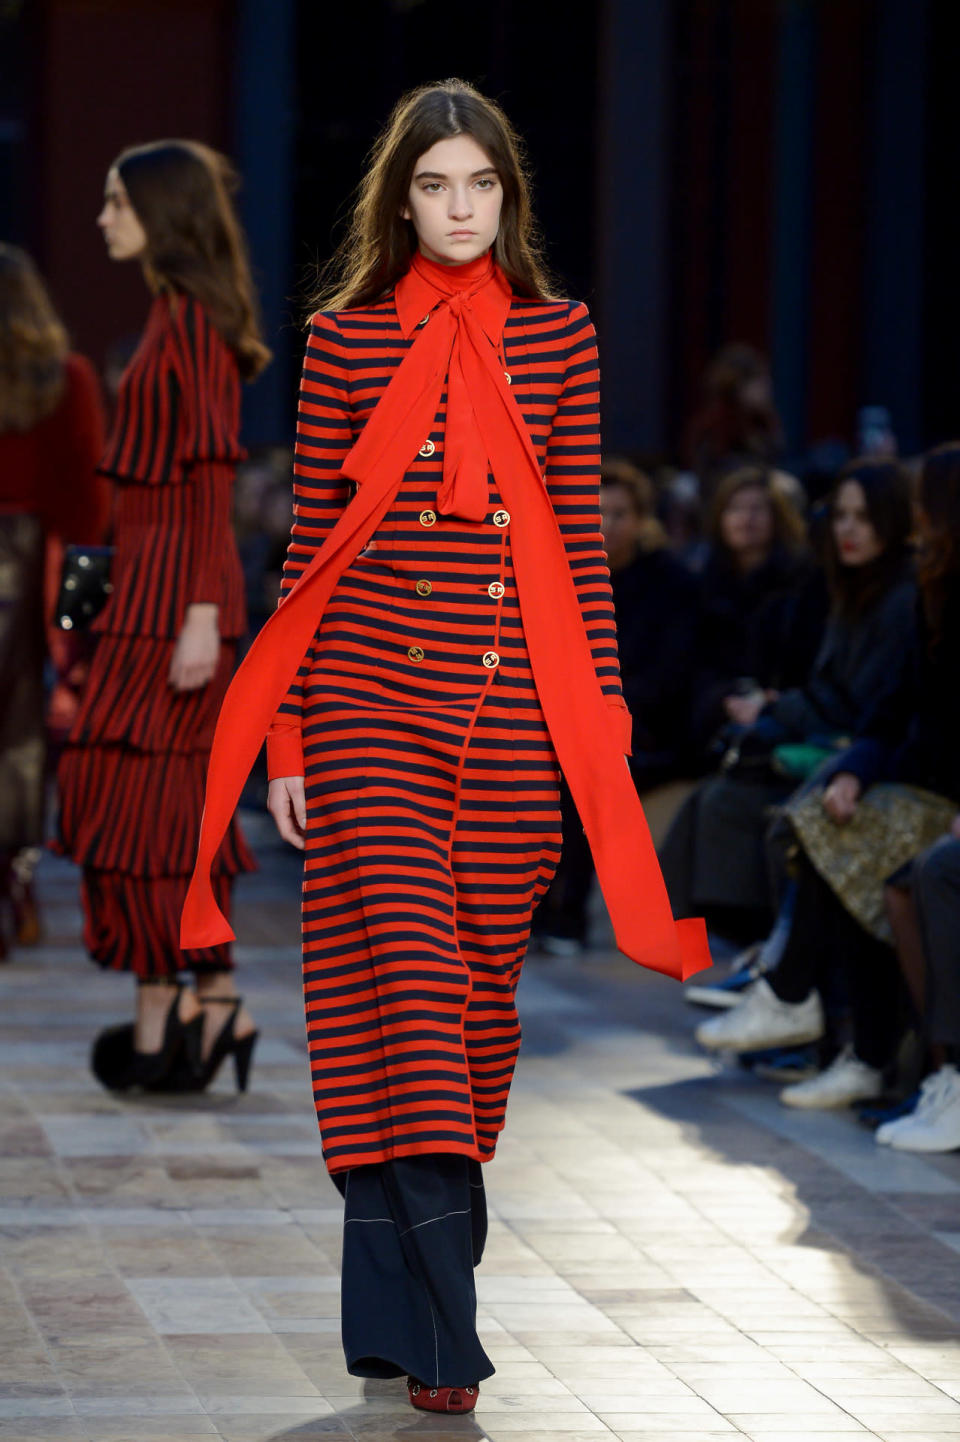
(841, 797)
(287, 805)
(197, 652)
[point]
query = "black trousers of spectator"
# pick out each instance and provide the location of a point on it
(825, 936)
(936, 889)
(414, 1229)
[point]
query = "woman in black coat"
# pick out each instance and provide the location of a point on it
(714, 858)
(762, 602)
(908, 742)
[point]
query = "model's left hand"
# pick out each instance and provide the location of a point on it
(197, 652)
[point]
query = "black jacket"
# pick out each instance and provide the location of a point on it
(657, 608)
(912, 733)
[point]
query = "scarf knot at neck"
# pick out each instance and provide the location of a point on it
(455, 317)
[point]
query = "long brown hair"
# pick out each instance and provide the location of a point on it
(789, 527)
(181, 192)
(938, 564)
(379, 244)
(886, 491)
(33, 344)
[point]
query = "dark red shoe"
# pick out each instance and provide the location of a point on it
(442, 1399)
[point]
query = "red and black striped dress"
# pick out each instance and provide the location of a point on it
(131, 777)
(432, 784)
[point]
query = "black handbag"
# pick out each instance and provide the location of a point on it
(84, 586)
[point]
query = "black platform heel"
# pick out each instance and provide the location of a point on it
(227, 1043)
(118, 1066)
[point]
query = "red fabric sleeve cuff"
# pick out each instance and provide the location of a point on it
(623, 721)
(284, 752)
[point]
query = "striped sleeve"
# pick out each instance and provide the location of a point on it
(142, 445)
(324, 436)
(208, 383)
(573, 483)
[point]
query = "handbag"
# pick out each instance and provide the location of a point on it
(85, 586)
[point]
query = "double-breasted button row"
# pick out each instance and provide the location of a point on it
(501, 518)
(490, 659)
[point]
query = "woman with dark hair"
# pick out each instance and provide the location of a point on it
(888, 797)
(714, 856)
(762, 605)
(51, 436)
(445, 639)
(131, 775)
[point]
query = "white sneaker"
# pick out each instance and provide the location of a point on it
(934, 1124)
(762, 1020)
(846, 1080)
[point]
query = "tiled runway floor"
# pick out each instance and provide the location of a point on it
(673, 1257)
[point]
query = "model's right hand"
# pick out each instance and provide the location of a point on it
(287, 804)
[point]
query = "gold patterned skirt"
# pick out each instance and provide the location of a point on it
(891, 825)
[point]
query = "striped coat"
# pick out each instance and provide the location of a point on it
(433, 823)
(131, 776)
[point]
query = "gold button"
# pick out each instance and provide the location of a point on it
(425, 319)
(428, 518)
(501, 518)
(508, 378)
(496, 589)
(424, 588)
(427, 449)
(416, 654)
(491, 659)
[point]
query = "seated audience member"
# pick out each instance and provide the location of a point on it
(894, 791)
(762, 602)
(737, 421)
(656, 600)
(714, 857)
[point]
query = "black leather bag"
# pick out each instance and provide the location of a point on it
(84, 586)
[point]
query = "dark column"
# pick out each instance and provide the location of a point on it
(264, 107)
(839, 218)
(792, 197)
(894, 277)
(632, 218)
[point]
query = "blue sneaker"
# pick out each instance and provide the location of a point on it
(744, 971)
(877, 1114)
(784, 1064)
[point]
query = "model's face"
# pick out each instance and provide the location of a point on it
(747, 521)
(119, 223)
(856, 539)
(454, 201)
(621, 525)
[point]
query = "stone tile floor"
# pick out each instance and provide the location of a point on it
(673, 1257)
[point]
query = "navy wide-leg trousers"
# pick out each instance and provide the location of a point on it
(414, 1229)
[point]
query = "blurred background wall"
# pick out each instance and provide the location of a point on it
(774, 171)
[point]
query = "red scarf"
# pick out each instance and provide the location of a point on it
(457, 315)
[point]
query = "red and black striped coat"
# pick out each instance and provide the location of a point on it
(432, 786)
